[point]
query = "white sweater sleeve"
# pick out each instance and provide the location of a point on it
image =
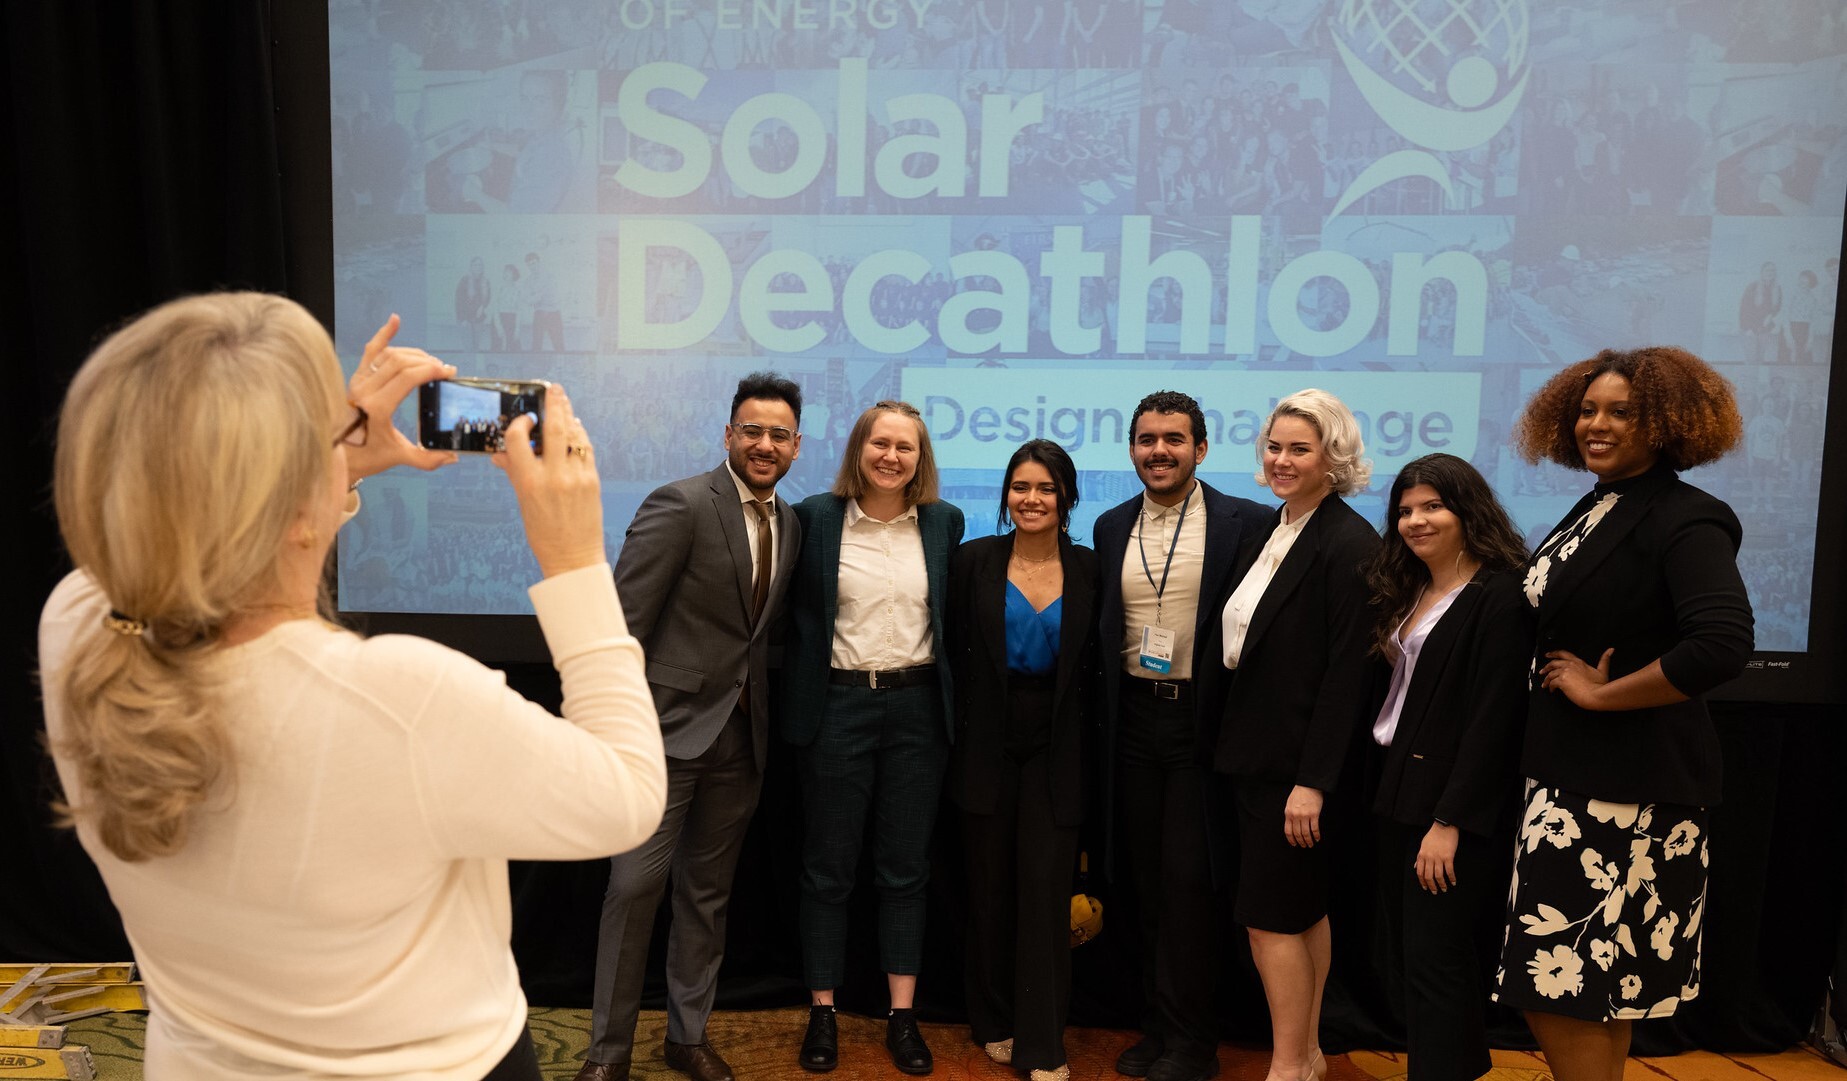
(498, 776)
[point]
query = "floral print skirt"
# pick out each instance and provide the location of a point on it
(1603, 918)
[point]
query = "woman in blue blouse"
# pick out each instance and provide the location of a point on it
(1022, 624)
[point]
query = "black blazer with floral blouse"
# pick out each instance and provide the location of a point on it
(1656, 578)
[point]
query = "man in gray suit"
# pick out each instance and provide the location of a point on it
(701, 576)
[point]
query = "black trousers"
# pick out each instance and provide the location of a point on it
(521, 1062)
(1163, 797)
(1432, 946)
(1019, 862)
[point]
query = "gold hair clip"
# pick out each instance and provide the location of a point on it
(124, 625)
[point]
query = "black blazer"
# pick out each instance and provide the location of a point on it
(978, 653)
(1656, 579)
(1455, 754)
(1299, 695)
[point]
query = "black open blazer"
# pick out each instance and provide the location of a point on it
(978, 653)
(1455, 754)
(1300, 693)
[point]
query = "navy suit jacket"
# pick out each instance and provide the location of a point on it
(814, 603)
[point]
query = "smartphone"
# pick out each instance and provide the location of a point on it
(470, 415)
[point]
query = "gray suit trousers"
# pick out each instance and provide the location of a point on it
(709, 803)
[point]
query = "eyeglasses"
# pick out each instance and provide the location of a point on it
(779, 435)
(354, 434)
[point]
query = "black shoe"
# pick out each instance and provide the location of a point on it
(1135, 1060)
(1178, 1067)
(908, 1051)
(821, 1044)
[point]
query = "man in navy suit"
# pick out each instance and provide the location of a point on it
(1169, 557)
(702, 573)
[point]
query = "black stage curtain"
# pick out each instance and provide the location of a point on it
(155, 150)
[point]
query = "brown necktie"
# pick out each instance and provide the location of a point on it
(760, 583)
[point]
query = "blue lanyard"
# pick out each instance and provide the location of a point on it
(1140, 543)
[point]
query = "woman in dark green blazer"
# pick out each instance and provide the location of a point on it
(868, 707)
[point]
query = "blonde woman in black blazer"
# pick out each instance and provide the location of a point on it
(1295, 630)
(1023, 645)
(1640, 610)
(1451, 622)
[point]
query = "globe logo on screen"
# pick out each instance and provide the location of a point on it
(1446, 75)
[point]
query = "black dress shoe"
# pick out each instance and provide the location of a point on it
(821, 1044)
(603, 1071)
(1177, 1067)
(908, 1050)
(697, 1061)
(1139, 1056)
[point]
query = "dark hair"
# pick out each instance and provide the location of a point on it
(513, 270)
(769, 385)
(1171, 401)
(1684, 409)
(1488, 536)
(1057, 463)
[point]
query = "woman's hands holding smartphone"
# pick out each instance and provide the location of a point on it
(560, 495)
(386, 375)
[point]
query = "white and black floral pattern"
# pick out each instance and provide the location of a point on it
(1561, 546)
(1603, 917)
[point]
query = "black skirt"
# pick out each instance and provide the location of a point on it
(1604, 915)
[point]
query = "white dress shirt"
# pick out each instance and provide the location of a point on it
(883, 594)
(1235, 621)
(750, 524)
(1177, 609)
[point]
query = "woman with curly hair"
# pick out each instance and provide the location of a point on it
(1451, 622)
(1639, 611)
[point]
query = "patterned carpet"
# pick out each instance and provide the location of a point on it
(762, 1045)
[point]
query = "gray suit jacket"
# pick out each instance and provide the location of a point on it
(684, 580)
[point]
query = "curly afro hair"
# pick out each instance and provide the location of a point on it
(1685, 409)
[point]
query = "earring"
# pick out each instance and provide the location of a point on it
(308, 537)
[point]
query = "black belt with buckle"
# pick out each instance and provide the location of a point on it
(889, 679)
(1171, 690)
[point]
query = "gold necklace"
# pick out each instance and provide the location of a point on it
(1030, 565)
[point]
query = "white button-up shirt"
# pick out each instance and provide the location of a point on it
(1178, 607)
(746, 497)
(1235, 621)
(883, 590)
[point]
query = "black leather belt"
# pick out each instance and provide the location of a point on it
(1171, 690)
(889, 679)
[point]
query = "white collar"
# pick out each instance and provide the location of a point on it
(744, 493)
(1151, 509)
(855, 515)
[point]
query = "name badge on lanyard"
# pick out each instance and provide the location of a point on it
(1157, 650)
(1157, 653)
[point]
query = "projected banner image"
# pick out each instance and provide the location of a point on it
(1023, 216)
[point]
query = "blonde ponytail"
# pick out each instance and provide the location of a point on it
(189, 443)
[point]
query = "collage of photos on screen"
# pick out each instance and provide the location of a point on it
(1250, 141)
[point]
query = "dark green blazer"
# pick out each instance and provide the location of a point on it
(814, 602)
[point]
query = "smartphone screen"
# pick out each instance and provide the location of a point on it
(471, 415)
